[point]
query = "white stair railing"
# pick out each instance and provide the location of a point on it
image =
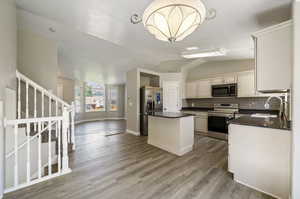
(41, 103)
(40, 113)
(48, 125)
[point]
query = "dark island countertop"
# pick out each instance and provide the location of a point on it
(204, 109)
(170, 114)
(274, 123)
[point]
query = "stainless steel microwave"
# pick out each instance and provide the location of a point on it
(224, 90)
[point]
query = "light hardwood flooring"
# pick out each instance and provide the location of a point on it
(124, 166)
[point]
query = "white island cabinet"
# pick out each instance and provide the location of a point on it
(259, 158)
(172, 132)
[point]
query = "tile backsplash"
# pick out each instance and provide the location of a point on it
(244, 103)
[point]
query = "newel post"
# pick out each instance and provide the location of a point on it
(2, 151)
(65, 126)
(73, 126)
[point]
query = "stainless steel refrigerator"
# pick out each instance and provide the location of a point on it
(151, 100)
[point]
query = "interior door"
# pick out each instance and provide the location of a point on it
(171, 93)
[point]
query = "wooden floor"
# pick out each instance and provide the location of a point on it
(124, 166)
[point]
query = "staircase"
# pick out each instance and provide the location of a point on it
(39, 140)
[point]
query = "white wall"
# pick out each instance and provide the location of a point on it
(132, 86)
(8, 57)
(68, 88)
(214, 68)
(37, 59)
(296, 104)
(8, 43)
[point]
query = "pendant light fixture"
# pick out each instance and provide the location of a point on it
(173, 20)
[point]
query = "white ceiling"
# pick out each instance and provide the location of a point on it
(97, 42)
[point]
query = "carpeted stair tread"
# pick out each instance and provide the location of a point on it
(54, 169)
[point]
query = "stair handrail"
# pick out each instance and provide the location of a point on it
(40, 88)
(70, 108)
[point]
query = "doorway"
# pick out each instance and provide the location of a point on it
(171, 96)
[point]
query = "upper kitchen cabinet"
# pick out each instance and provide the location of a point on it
(217, 81)
(246, 84)
(204, 89)
(273, 54)
(191, 90)
(226, 79)
(198, 89)
(229, 79)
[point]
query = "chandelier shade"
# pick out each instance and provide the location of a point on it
(173, 20)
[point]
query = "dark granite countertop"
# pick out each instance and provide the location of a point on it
(241, 111)
(170, 114)
(204, 109)
(274, 123)
(253, 111)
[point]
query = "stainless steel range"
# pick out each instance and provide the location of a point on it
(219, 118)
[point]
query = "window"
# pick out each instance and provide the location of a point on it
(77, 99)
(113, 98)
(94, 97)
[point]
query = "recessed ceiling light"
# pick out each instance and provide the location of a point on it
(192, 48)
(214, 53)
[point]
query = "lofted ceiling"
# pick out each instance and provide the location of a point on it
(97, 42)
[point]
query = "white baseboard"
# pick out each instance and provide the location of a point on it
(99, 119)
(185, 150)
(132, 132)
(21, 186)
(257, 189)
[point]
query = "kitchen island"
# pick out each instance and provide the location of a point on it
(172, 132)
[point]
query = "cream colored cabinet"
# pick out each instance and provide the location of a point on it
(201, 123)
(204, 89)
(246, 84)
(223, 80)
(216, 81)
(229, 79)
(273, 56)
(191, 90)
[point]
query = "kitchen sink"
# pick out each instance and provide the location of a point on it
(260, 115)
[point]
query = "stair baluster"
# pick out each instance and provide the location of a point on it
(32, 121)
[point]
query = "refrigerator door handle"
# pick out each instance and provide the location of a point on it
(153, 106)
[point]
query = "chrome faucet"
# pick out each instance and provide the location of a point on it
(282, 113)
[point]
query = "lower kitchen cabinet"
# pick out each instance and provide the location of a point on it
(201, 123)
